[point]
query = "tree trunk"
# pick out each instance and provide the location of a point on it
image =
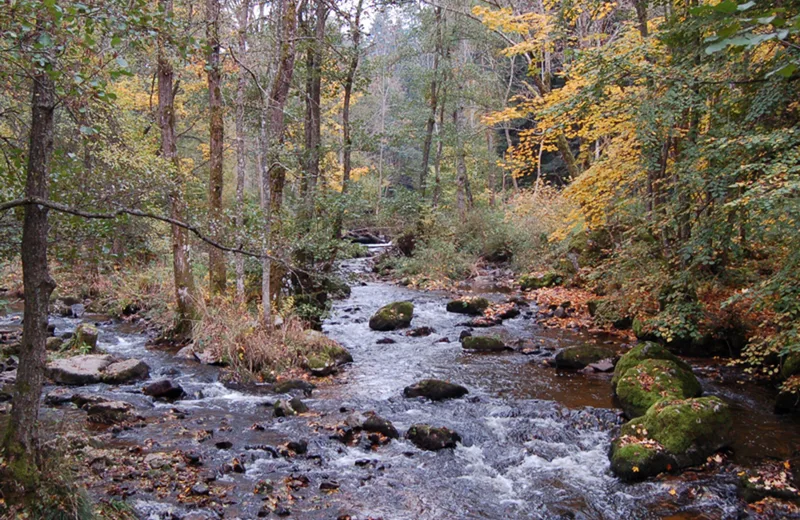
(273, 171)
(437, 163)
(641, 16)
(216, 258)
(185, 293)
(355, 30)
(241, 158)
(426, 148)
(561, 140)
(313, 134)
(463, 191)
(20, 440)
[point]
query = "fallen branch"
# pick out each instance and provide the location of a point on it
(136, 213)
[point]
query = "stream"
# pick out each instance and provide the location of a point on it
(534, 439)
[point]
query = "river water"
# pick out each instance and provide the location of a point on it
(535, 440)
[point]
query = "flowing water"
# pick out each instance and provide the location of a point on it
(535, 440)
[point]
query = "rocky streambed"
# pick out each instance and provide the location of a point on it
(530, 441)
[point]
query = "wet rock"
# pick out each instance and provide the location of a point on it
(223, 445)
(54, 344)
(420, 332)
(641, 352)
(186, 353)
(473, 306)
(392, 316)
(385, 341)
(376, 424)
(790, 365)
(604, 365)
(509, 313)
(77, 310)
(483, 344)
(443, 340)
(426, 437)
(531, 282)
(78, 370)
(86, 336)
(58, 396)
(193, 458)
(483, 322)
(464, 334)
(770, 479)
(651, 381)
(787, 400)
(670, 436)
(328, 485)
(164, 389)
(200, 489)
(294, 385)
(300, 447)
(560, 313)
(582, 356)
(289, 408)
(125, 371)
(207, 357)
(328, 359)
(109, 412)
(82, 400)
(435, 390)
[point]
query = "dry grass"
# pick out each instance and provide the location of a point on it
(234, 335)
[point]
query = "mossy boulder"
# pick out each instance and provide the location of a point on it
(582, 356)
(483, 344)
(327, 359)
(672, 435)
(393, 316)
(85, 337)
(426, 437)
(651, 381)
(435, 390)
(770, 479)
(641, 352)
(790, 365)
(471, 306)
(530, 282)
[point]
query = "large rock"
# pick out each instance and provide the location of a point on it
(125, 371)
(789, 397)
(790, 365)
(426, 437)
(288, 408)
(393, 316)
(582, 356)
(473, 306)
(641, 352)
(79, 370)
(483, 344)
(530, 282)
(651, 381)
(294, 385)
(85, 337)
(164, 389)
(109, 412)
(672, 435)
(376, 424)
(327, 359)
(435, 390)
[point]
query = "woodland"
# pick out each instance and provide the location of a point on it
(204, 168)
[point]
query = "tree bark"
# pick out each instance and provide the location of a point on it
(426, 148)
(355, 30)
(463, 191)
(241, 155)
(216, 258)
(185, 293)
(272, 130)
(313, 133)
(20, 440)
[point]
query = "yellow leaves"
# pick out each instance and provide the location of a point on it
(635, 469)
(673, 492)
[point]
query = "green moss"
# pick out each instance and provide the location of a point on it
(631, 462)
(483, 343)
(653, 380)
(700, 424)
(472, 306)
(393, 316)
(530, 282)
(791, 365)
(641, 352)
(583, 355)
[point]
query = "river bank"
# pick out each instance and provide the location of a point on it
(534, 439)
